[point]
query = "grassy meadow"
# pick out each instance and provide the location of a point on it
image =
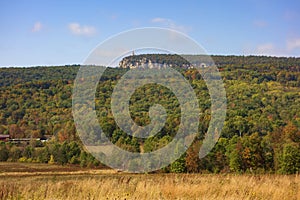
(42, 181)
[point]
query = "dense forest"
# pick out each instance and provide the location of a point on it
(261, 133)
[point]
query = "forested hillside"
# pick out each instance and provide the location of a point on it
(261, 132)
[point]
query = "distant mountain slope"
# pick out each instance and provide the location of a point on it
(261, 131)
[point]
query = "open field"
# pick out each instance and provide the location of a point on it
(38, 181)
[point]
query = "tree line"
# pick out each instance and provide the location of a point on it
(261, 132)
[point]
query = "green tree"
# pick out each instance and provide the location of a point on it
(28, 152)
(3, 152)
(15, 153)
(290, 159)
(61, 155)
(233, 152)
(42, 154)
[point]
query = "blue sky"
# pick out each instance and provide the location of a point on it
(64, 32)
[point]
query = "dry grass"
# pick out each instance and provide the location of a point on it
(108, 184)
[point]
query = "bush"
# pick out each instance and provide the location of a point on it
(23, 159)
(51, 160)
(178, 166)
(42, 155)
(4, 154)
(74, 160)
(14, 153)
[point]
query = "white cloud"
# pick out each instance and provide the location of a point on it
(267, 48)
(290, 48)
(260, 23)
(159, 20)
(170, 24)
(78, 29)
(37, 27)
(293, 44)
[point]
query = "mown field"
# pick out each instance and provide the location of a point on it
(42, 181)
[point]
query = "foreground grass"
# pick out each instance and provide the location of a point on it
(75, 183)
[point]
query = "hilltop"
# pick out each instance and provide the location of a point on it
(261, 131)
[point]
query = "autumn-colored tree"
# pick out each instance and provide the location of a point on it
(192, 158)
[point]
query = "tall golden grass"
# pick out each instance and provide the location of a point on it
(110, 184)
(154, 186)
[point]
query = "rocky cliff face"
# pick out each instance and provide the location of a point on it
(153, 61)
(143, 63)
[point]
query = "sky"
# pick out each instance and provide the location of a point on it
(56, 32)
